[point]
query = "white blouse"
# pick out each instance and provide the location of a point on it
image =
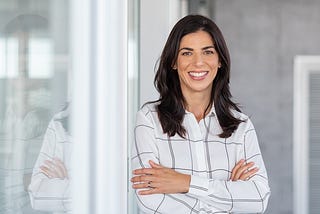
(209, 160)
(52, 194)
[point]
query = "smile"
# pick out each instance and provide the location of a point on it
(198, 75)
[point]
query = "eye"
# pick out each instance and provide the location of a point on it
(186, 53)
(208, 52)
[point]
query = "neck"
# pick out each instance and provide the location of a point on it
(197, 104)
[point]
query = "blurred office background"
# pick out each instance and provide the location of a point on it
(101, 55)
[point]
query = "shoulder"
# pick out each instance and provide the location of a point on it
(60, 121)
(239, 115)
(148, 108)
(246, 124)
(64, 113)
(148, 114)
(244, 128)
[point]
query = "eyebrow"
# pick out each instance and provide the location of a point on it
(191, 49)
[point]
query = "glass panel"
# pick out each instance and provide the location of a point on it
(133, 75)
(33, 94)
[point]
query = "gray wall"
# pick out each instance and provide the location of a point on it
(263, 38)
(157, 17)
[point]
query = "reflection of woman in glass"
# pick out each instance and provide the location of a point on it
(194, 151)
(50, 183)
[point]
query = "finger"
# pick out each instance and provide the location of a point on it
(63, 171)
(54, 168)
(48, 172)
(49, 164)
(142, 185)
(243, 169)
(149, 191)
(146, 171)
(154, 165)
(61, 165)
(59, 171)
(246, 176)
(45, 170)
(142, 178)
(237, 166)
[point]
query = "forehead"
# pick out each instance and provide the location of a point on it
(199, 38)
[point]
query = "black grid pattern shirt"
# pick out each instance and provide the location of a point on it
(209, 160)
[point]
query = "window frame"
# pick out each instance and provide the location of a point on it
(303, 67)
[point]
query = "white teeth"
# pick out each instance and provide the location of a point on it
(197, 74)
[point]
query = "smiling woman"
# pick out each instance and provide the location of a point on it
(197, 65)
(194, 151)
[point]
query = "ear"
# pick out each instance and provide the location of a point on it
(174, 67)
(219, 66)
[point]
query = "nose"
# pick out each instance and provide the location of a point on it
(198, 60)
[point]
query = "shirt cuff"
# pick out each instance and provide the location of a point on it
(198, 186)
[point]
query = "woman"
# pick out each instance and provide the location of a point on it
(49, 189)
(194, 151)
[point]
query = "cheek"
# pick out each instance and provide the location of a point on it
(214, 65)
(181, 75)
(182, 64)
(213, 61)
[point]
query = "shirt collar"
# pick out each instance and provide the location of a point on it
(211, 113)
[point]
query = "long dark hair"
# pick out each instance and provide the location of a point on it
(171, 101)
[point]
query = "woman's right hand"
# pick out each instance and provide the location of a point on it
(243, 171)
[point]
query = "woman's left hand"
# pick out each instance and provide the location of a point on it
(159, 180)
(54, 168)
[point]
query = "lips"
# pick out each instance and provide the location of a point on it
(199, 75)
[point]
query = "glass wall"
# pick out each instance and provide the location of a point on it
(34, 88)
(56, 57)
(99, 50)
(133, 85)
(42, 43)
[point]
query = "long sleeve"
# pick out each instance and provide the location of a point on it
(208, 159)
(240, 196)
(50, 194)
(143, 150)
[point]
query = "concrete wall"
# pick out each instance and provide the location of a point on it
(263, 38)
(156, 20)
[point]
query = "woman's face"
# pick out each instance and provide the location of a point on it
(197, 63)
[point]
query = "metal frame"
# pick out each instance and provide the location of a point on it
(303, 66)
(99, 105)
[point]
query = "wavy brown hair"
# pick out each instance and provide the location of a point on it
(171, 101)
